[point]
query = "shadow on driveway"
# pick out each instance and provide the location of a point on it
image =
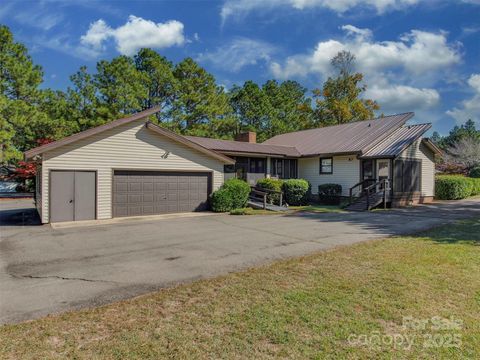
(402, 221)
(18, 212)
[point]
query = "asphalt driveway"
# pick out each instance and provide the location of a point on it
(45, 270)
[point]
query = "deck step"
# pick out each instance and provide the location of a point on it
(361, 203)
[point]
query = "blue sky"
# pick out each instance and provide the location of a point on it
(417, 55)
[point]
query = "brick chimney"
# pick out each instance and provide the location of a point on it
(249, 136)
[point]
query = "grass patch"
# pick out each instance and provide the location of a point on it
(300, 308)
(318, 208)
(250, 211)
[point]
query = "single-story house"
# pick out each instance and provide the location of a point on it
(131, 166)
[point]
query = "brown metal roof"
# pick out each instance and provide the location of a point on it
(230, 146)
(92, 131)
(184, 140)
(432, 146)
(398, 141)
(356, 137)
(367, 137)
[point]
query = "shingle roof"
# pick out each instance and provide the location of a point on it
(353, 137)
(398, 141)
(89, 132)
(118, 122)
(228, 146)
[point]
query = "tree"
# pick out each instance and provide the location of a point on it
(339, 101)
(19, 98)
(466, 152)
(199, 105)
(121, 87)
(275, 108)
(291, 108)
(58, 121)
(82, 101)
(252, 108)
(467, 130)
(159, 79)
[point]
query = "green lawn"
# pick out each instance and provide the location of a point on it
(306, 208)
(316, 306)
(251, 211)
(317, 208)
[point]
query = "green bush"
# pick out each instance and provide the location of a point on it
(271, 184)
(454, 187)
(221, 201)
(232, 194)
(475, 185)
(239, 191)
(295, 191)
(475, 172)
(330, 194)
(330, 189)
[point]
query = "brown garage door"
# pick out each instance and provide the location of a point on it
(158, 192)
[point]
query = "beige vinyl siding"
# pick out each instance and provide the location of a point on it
(128, 147)
(346, 172)
(38, 191)
(419, 151)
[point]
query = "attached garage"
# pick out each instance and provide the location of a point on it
(128, 167)
(159, 192)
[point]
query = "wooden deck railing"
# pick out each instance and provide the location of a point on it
(263, 193)
(379, 186)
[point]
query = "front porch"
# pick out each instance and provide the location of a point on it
(253, 168)
(391, 182)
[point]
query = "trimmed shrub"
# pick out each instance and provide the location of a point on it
(239, 191)
(232, 194)
(453, 187)
(330, 194)
(475, 172)
(271, 184)
(296, 191)
(221, 200)
(475, 185)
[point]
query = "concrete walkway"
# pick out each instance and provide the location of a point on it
(45, 270)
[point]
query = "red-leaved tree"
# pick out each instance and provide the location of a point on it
(27, 170)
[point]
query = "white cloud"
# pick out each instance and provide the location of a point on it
(416, 52)
(470, 108)
(136, 33)
(243, 7)
(397, 98)
(239, 53)
(474, 82)
(96, 35)
(399, 74)
(62, 44)
(38, 18)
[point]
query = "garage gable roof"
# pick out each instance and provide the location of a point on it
(185, 141)
(113, 124)
(89, 132)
